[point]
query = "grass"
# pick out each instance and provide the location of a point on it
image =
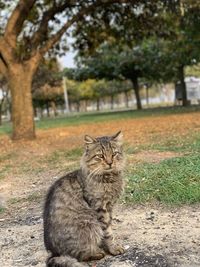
(71, 155)
(86, 118)
(2, 210)
(174, 181)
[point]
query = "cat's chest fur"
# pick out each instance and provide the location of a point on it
(103, 192)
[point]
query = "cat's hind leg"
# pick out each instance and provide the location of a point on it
(90, 239)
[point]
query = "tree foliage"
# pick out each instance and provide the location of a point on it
(31, 29)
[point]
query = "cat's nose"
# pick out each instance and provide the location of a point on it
(109, 162)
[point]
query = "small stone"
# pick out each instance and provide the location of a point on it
(34, 262)
(150, 215)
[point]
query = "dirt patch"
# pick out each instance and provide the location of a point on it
(152, 156)
(152, 236)
(134, 257)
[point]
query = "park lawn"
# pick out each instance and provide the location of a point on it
(172, 181)
(89, 118)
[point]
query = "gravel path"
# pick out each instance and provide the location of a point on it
(153, 237)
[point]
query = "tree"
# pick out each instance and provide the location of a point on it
(34, 28)
(48, 72)
(175, 28)
(4, 95)
(47, 96)
(106, 81)
(47, 86)
(111, 62)
(193, 71)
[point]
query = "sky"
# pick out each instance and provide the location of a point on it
(67, 60)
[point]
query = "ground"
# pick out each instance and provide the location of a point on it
(153, 234)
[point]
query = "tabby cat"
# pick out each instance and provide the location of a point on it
(78, 208)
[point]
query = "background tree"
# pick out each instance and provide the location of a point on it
(115, 62)
(30, 30)
(184, 48)
(176, 38)
(4, 92)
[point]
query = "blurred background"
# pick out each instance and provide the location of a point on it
(121, 56)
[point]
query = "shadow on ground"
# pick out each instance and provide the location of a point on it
(136, 258)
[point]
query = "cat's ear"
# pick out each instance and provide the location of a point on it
(118, 137)
(89, 140)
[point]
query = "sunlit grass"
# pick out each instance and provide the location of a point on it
(87, 118)
(173, 181)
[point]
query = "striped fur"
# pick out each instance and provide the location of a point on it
(78, 207)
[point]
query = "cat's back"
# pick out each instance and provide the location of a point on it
(62, 195)
(63, 186)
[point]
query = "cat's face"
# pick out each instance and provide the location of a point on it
(103, 154)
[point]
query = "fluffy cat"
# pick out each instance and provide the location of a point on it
(78, 207)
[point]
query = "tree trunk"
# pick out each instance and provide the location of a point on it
(137, 92)
(77, 106)
(0, 113)
(20, 81)
(53, 106)
(47, 109)
(126, 99)
(85, 105)
(98, 104)
(112, 101)
(35, 112)
(183, 85)
(147, 95)
(41, 112)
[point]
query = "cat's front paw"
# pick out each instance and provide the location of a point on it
(98, 256)
(115, 249)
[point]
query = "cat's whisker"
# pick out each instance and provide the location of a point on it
(94, 173)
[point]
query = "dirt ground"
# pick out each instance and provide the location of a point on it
(153, 235)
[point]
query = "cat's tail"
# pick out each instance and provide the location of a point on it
(63, 261)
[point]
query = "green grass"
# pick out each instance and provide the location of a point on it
(180, 144)
(86, 118)
(2, 210)
(174, 181)
(60, 155)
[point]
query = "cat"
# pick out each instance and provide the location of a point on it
(78, 209)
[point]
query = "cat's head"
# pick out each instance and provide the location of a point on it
(103, 154)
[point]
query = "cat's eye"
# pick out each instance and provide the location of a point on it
(100, 156)
(115, 153)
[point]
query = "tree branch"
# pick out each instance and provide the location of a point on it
(16, 20)
(84, 11)
(41, 33)
(3, 67)
(6, 52)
